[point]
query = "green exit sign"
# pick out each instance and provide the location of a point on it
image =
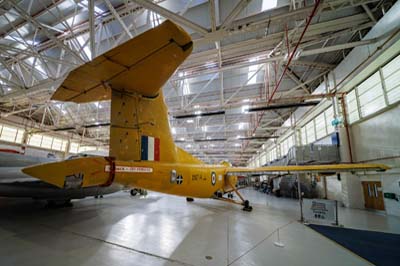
(390, 196)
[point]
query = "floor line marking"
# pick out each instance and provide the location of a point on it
(227, 241)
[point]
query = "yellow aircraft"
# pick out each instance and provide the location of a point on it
(142, 151)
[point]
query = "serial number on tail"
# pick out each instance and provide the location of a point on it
(129, 169)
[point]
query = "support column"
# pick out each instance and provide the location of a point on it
(24, 143)
(352, 195)
(67, 147)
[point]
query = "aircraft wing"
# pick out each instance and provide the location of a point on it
(321, 168)
(129, 67)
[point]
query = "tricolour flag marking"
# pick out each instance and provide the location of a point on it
(150, 149)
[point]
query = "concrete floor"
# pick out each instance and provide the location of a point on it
(166, 230)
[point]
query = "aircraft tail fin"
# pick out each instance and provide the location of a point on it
(131, 75)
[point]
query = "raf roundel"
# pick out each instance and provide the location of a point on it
(213, 178)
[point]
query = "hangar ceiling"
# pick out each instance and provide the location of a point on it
(253, 64)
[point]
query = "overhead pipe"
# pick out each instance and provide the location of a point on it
(313, 12)
(251, 109)
(282, 106)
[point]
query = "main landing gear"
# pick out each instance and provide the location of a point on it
(135, 191)
(189, 199)
(243, 202)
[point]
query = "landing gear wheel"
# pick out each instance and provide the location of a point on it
(189, 199)
(230, 195)
(133, 192)
(247, 206)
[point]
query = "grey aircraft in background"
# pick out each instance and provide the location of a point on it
(14, 183)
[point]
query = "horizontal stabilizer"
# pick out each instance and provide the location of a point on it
(141, 65)
(75, 173)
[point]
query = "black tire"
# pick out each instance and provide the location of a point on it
(133, 192)
(247, 206)
(189, 199)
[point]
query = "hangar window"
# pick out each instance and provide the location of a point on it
(8, 134)
(11, 134)
(274, 154)
(73, 147)
(370, 95)
(352, 107)
(391, 75)
(375, 93)
(57, 144)
(310, 131)
(87, 148)
(329, 116)
(303, 136)
(320, 126)
(35, 140)
(263, 159)
(46, 142)
(286, 145)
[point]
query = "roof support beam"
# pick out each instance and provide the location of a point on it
(244, 84)
(234, 13)
(212, 15)
(297, 80)
(202, 89)
(92, 35)
(118, 18)
(16, 77)
(172, 16)
(369, 13)
(37, 24)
